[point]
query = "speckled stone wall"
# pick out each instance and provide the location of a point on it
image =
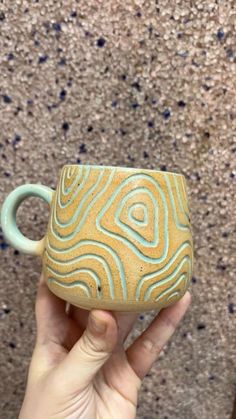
(137, 83)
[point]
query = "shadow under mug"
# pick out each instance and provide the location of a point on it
(117, 238)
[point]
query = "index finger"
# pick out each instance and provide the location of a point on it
(146, 349)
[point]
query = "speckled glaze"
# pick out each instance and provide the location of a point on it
(117, 238)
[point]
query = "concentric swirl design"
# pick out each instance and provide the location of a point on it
(119, 235)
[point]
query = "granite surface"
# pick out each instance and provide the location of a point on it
(132, 83)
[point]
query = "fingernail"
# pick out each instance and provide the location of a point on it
(98, 325)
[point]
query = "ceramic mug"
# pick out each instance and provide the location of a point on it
(117, 238)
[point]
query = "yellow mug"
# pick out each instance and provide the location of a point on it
(117, 238)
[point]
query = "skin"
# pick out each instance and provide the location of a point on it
(79, 371)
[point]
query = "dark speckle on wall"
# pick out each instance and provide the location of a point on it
(7, 310)
(12, 345)
(136, 86)
(221, 265)
(16, 140)
(6, 98)
(123, 132)
(181, 103)
(220, 34)
(114, 103)
(56, 26)
(65, 126)
(166, 114)
(42, 59)
(163, 167)
(62, 61)
(7, 174)
(63, 94)
(135, 105)
(230, 53)
(101, 42)
(10, 56)
(231, 308)
(201, 326)
(82, 148)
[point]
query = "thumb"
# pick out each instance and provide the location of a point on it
(91, 351)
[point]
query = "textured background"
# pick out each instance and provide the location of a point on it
(137, 83)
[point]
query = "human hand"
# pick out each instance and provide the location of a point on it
(79, 372)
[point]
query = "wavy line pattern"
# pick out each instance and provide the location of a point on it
(67, 190)
(77, 284)
(119, 235)
(175, 261)
(174, 205)
(138, 212)
(110, 228)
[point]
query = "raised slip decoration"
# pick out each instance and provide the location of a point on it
(117, 238)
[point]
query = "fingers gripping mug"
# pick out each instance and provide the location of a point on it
(117, 238)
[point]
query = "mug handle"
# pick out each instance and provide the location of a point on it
(8, 217)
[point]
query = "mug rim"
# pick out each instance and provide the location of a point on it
(138, 169)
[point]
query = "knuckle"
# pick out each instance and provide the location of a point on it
(92, 348)
(151, 346)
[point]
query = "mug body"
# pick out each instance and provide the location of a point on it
(118, 238)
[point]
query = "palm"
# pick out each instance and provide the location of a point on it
(114, 390)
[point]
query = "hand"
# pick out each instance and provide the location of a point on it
(80, 369)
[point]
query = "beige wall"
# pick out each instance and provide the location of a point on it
(137, 84)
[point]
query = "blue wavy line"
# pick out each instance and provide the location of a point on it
(180, 200)
(76, 191)
(174, 294)
(128, 229)
(70, 172)
(181, 278)
(185, 193)
(85, 213)
(167, 279)
(66, 191)
(142, 223)
(72, 285)
(92, 243)
(87, 256)
(146, 277)
(85, 197)
(124, 239)
(179, 225)
(76, 271)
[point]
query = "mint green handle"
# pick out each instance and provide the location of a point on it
(8, 217)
